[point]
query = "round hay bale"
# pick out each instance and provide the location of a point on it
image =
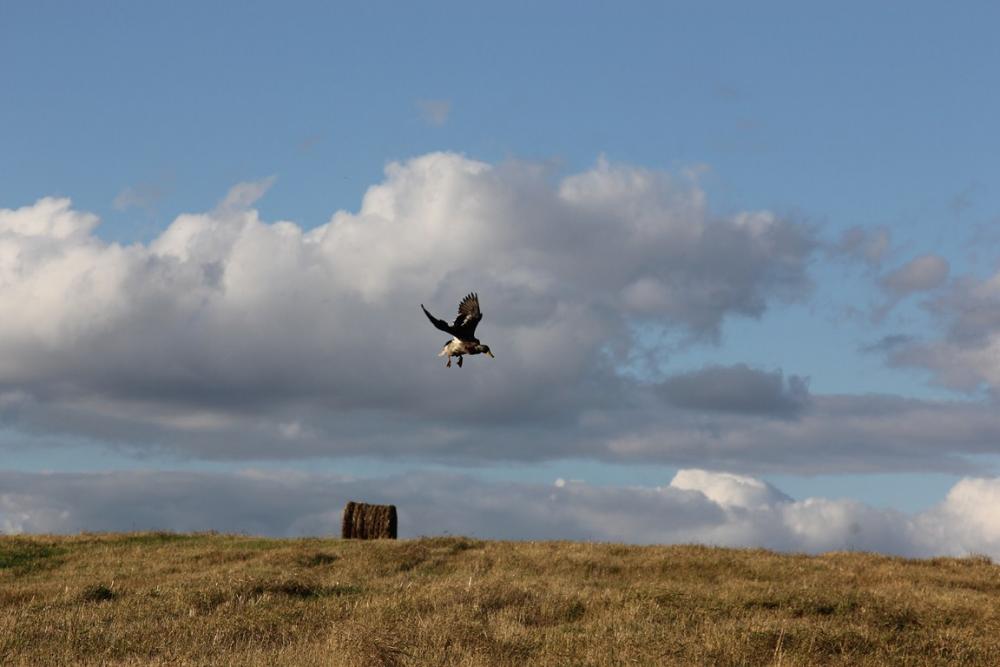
(363, 521)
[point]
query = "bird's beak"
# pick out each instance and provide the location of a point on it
(491, 355)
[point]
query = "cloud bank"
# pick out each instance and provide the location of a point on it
(229, 337)
(225, 327)
(738, 389)
(697, 506)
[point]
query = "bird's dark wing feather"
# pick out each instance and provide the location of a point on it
(468, 317)
(440, 324)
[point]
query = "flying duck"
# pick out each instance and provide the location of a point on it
(463, 330)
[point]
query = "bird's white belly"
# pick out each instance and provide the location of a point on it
(453, 348)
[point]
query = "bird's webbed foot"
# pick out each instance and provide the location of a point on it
(460, 362)
(448, 365)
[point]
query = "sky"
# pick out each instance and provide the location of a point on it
(739, 265)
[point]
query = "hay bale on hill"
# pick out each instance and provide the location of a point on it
(368, 522)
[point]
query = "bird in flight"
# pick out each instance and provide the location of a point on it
(463, 330)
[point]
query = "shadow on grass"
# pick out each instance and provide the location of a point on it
(98, 593)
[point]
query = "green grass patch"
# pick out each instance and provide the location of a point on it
(162, 537)
(23, 556)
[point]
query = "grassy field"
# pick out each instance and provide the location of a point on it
(155, 598)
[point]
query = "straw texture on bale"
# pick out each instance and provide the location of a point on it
(368, 522)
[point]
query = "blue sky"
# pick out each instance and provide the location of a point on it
(874, 118)
(854, 114)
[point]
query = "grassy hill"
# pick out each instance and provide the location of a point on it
(157, 598)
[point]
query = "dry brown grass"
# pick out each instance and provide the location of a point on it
(153, 598)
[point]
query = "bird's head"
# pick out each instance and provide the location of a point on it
(484, 349)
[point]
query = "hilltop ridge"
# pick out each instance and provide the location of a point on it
(156, 598)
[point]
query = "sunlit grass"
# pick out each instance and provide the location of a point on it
(158, 598)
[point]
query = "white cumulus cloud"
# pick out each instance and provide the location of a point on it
(727, 489)
(231, 337)
(224, 329)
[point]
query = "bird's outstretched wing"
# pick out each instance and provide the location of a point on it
(468, 317)
(440, 324)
